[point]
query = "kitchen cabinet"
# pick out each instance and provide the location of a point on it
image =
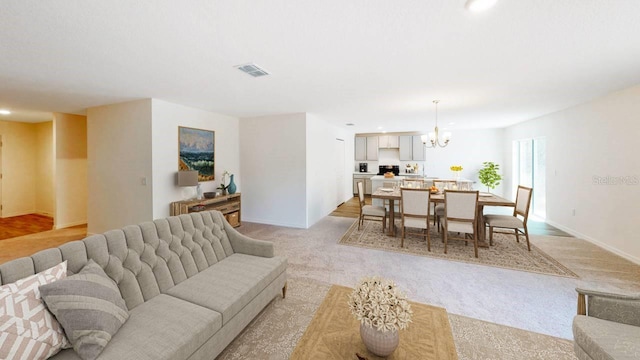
(361, 148)
(418, 148)
(372, 148)
(366, 179)
(388, 142)
(411, 148)
(406, 148)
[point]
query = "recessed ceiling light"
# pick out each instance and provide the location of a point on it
(379, 127)
(4, 112)
(480, 5)
(452, 123)
(349, 124)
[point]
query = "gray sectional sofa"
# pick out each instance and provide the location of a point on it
(191, 283)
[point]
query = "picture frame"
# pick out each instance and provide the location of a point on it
(196, 151)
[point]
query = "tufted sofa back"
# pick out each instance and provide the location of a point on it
(145, 260)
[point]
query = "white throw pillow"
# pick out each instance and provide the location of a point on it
(27, 329)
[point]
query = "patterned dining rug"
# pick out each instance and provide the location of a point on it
(505, 252)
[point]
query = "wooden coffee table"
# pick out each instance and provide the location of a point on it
(335, 334)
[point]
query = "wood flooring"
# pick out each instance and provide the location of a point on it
(23, 225)
(27, 245)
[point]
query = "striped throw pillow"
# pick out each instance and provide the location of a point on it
(27, 329)
(89, 307)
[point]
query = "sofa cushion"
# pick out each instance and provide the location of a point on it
(164, 327)
(603, 339)
(231, 284)
(89, 307)
(27, 329)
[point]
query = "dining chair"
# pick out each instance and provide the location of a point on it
(523, 200)
(415, 213)
(413, 183)
(389, 185)
(370, 211)
(438, 209)
(461, 216)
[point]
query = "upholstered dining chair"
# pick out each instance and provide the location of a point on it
(370, 211)
(415, 213)
(523, 200)
(438, 209)
(461, 216)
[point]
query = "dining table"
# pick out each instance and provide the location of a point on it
(484, 199)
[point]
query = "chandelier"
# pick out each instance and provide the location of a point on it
(434, 138)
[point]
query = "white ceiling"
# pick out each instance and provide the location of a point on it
(370, 62)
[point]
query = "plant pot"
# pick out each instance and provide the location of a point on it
(378, 342)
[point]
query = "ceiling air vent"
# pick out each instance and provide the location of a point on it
(252, 69)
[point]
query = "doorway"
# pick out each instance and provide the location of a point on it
(529, 169)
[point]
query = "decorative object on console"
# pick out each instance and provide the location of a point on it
(227, 188)
(489, 176)
(189, 178)
(196, 152)
(434, 138)
(382, 310)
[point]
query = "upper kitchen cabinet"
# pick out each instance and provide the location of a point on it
(366, 148)
(411, 148)
(361, 148)
(418, 148)
(388, 142)
(372, 148)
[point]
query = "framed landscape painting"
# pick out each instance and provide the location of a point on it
(196, 152)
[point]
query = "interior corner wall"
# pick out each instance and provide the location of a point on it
(119, 165)
(70, 175)
(591, 166)
(273, 166)
(324, 193)
(166, 118)
(44, 189)
(18, 168)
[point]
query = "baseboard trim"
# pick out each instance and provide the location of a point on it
(271, 222)
(596, 242)
(68, 225)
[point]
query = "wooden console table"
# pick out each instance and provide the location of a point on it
(228, 205)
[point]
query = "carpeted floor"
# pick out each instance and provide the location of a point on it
(275, 332)
(505, 253)
(495, 313)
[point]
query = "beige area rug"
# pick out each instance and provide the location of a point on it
(334, 334)
(505, 253)
(274, 333)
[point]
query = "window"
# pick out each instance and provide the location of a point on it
(529, 169)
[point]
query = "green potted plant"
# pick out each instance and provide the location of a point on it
(489, 176)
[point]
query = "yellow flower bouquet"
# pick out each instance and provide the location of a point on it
(456, 168)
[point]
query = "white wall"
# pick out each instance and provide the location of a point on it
(583, 143)
(166, 117)
(18, 168)
(322, 187)
(468, 148)
(44, 190)
(70, 174)
(273, 166)
(119, 159)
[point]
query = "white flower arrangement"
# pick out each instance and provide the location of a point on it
(377, 302)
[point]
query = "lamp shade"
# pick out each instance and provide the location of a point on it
(188, 178)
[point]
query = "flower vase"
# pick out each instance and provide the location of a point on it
(456, 175)
(232, 186)
(378, 342)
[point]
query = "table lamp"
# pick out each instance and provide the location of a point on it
(188, 178)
